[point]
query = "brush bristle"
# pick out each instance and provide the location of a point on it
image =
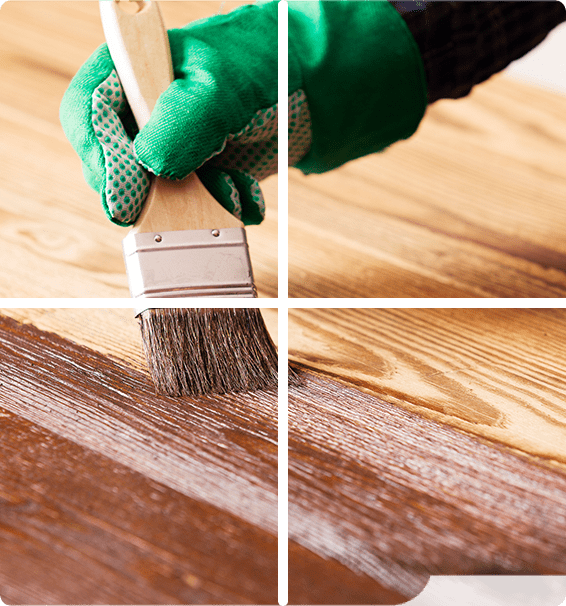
(203, 351)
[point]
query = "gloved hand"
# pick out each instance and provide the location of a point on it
(356, 85)
(357, 73)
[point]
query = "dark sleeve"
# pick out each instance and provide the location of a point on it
(464, 43)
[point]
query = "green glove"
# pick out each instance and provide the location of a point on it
(219, 117)
(359, 75)
(356, 85)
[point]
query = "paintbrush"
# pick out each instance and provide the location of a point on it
(184, 244)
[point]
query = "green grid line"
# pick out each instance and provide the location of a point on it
(283, 300)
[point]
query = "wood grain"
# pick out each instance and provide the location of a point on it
(77, 527)
(397, 497)
(380, 496)
(111, 332)
(499, 374)
(359, 450)
(428, 441)
(161, 500)
(52, 227)
(471, 206)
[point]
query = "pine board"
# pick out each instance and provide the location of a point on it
(499, 374)
(471, 206)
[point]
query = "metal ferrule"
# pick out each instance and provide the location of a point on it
(192, 263)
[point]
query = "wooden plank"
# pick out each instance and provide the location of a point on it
(496, 373)
(74, 414)
(354, 457)
(52, 227)
(77, 417)
(397, 497)
(127, 485)
(161, 500)
(470, 206)
(76, 527)
(429, 441)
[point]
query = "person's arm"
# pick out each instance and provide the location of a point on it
(464, 43)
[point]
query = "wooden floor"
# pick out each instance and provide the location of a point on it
(470, 206)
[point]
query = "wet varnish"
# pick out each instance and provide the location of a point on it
(429, 441)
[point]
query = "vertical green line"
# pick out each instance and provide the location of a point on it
(283, 304)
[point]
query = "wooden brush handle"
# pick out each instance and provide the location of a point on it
(139, 47)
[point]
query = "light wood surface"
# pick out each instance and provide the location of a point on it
(496, 373)
(473, 205)
(54, 237)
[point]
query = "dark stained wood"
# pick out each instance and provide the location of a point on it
(160, 500)
(76, 527)
(397, 497)
(111, 494)
(314, 579)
